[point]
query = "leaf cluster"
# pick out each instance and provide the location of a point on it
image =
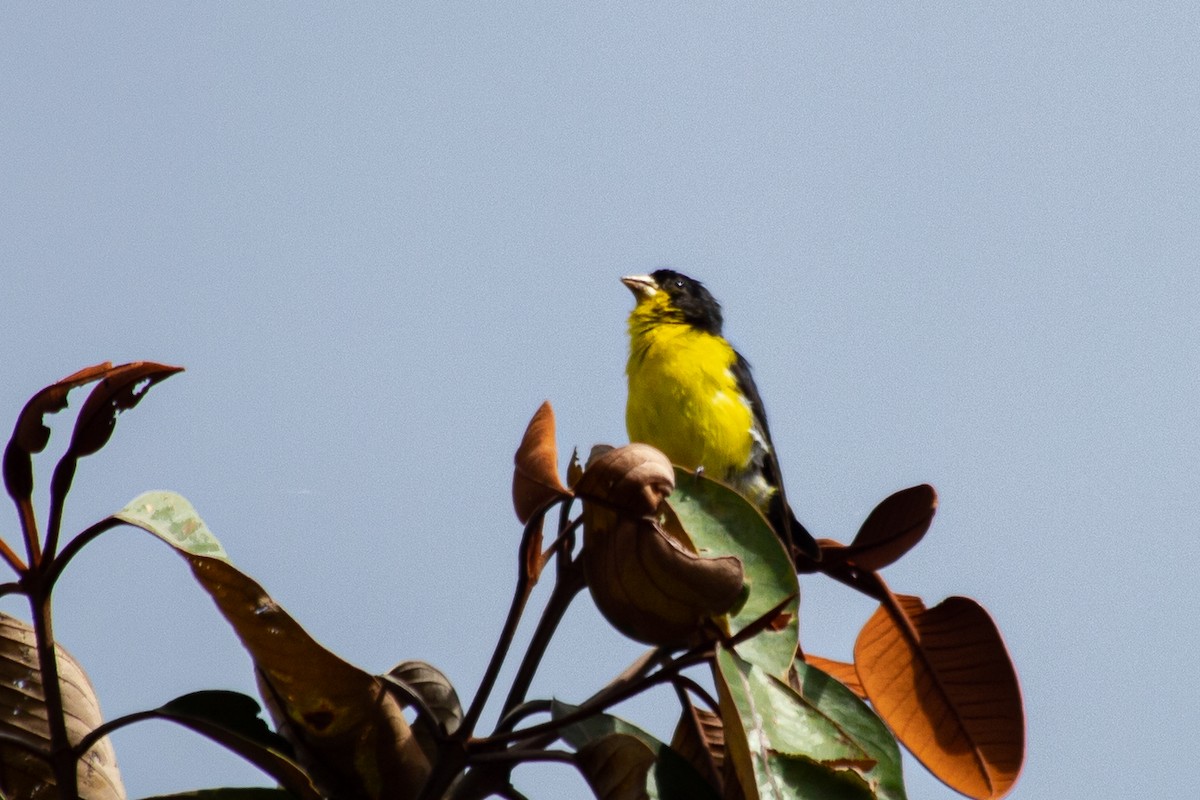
(671, 559)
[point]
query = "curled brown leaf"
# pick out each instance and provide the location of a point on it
(649, 586)
(632, 479)
(535, 466)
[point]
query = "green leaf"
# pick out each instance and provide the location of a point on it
(858, 721)
(783, 747)
(670, 778)
(172, 518)
(720, 522)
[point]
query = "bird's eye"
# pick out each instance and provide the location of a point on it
(678, 282)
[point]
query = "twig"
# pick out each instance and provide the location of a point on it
(517, 607)
(85, 537)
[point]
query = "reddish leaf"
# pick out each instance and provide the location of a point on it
(891, 530)
(535, 473)
(121, 389)
(31, 434)
(942, 680)
(844, 673)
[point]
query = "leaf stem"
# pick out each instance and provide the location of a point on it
(73, 547)
(29, 529)
(11, 558)
(62, 755)
(520, 598)
(570, 582)
(98, 733)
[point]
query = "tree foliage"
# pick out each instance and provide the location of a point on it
(671, 559)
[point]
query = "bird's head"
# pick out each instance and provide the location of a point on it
(669, 296)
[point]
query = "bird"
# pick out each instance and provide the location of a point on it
(692, 396)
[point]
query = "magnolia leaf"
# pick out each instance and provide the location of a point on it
(893, 528)
(632, 479)
(943, 681)
(535, 470)
(349, 732)
(857, 721)
(604, 760)
(31, 435)
(781, 745)
(720, 522)
(23, 714)
(844, 673)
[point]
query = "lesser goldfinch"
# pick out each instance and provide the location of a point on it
(691, 396)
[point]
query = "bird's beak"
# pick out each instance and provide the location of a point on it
(642, 286)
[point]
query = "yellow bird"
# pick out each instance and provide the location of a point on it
(691, 396)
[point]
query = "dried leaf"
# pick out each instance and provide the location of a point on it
(535, 471)
(31, 435)
(616, 767)
(845, 673)
(647, 585)
(943, 681)
(23, 713)
(632, 479)
(574, 469)
(700, 738)
(435, 689)
(893, 528)
(348, 730)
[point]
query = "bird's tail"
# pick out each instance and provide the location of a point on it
(802, 542)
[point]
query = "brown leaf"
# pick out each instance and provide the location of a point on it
(700, 738)
(574, 469)
(23, 712)
(893, 528)
(616, 766)
(633, 479)
(535, 472)
(942, 680)
(647, 585)
(31, 434)
(121, 389)
(844, 673)
(347, 729)
(434, 688)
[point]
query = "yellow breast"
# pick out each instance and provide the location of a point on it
(684, 398)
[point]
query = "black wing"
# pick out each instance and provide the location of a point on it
(795, 536)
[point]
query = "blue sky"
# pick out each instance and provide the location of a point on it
(958, 244)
